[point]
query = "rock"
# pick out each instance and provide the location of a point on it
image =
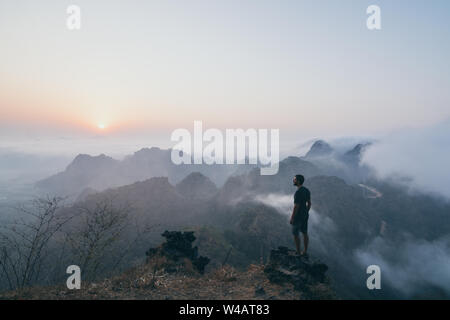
(259, 291)
(178, 246)
(285, 266)
(200, 263)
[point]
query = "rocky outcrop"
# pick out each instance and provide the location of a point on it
(304, 273)
(178, 246)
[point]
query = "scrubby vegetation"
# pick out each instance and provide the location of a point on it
(172, 271)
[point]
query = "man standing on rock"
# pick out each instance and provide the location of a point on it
(300, 214)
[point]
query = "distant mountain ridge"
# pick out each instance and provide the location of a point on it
(82, 172)
(100, 172)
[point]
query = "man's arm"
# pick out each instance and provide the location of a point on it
(294, 211)
(308, 201)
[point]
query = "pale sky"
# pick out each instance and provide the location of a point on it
(146, 68)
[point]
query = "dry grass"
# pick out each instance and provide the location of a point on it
(151, 281)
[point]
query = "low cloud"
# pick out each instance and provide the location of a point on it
(284, 204)
(411, 267)
(422, 155)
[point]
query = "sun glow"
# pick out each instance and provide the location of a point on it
(101, 126)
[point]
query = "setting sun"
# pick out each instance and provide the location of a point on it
(101, 126)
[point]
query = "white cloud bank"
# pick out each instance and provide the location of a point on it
(420, 154)
(411, 265)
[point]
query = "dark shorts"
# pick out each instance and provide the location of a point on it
(300, 225)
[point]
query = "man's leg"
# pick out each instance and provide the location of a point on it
(295, 233)
(305, 242)
(304, 231)
(297, 243)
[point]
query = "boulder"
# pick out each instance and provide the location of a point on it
(303, 272)
(178, 246)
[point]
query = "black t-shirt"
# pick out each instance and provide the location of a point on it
(301, 196)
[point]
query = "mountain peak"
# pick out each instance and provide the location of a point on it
(83, 161)
(354, 155)
(196, 185)
(319, 148)
(148, 150)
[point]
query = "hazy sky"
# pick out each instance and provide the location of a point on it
(309, 68)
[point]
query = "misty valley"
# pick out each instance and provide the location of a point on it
(104, 215)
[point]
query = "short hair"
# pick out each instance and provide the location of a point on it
(300, 178)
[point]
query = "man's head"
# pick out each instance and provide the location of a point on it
(298, 180)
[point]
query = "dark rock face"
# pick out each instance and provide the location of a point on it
(259, 291)
(178, 245)
(284, 266)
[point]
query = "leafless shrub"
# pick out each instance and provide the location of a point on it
(102, 237)
(24, 242)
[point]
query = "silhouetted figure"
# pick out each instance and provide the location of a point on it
(300, 214)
